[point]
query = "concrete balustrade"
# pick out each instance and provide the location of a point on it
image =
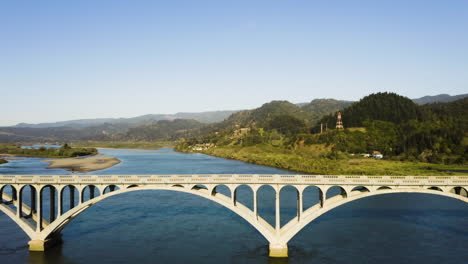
(44, 234)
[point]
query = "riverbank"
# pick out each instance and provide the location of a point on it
(20, 150)
(2, 161)
(83, 165)
(306, 162)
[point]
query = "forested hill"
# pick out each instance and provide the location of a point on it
(281, 114)
(389, 107)
(456, 111)
(396, 126)
(163, 130)
(268, 113)
(317, 108)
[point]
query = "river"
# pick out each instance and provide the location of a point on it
(172, 227)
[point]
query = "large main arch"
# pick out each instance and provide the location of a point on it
(295, 225)
(53, 230)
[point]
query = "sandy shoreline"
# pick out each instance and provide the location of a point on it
(83, 164)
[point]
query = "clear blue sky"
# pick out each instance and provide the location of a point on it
(62, 60)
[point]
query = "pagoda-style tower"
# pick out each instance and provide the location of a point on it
(339, 123)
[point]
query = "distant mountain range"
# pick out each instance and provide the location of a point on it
(441, 98)
(317, 107)
(202, 117)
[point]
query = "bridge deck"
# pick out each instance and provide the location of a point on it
(237, 179)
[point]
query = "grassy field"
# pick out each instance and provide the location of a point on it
(124, 145)
(315, 161)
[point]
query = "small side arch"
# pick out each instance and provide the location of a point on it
(92, 192)
(459, 190)
(435, 188)
(383, 188)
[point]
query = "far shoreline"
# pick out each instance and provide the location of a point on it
(83, 165)
(128, 148)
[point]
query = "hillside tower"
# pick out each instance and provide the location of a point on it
(339, 123)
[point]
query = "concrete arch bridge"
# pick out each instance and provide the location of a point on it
(47, 213)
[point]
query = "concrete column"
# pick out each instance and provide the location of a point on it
(52, 203)
(91, 192)
(71, 190)
(80, 195)
(299, 205)
(234, 196)
(60, 203)
(321, 198)
(19, 207)
(255, 203)
(277, 211)
(278, 250)
(38, 210)
(343, 192)
(33, 200)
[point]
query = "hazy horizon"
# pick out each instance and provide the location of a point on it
(111, 59)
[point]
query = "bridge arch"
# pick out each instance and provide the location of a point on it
(460, 191)
(248, 199)
(92, 190)
(110, 188)
(223, 189)
(360, 189)
(383, 188)
(73, 198)
(435, 188)
(199, 187)
(295, 225)
(342, 192)
(312, 195)
(13, 193)
(57, 226)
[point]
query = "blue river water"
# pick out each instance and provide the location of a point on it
(172, 227)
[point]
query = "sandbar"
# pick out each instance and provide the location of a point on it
(83, 164)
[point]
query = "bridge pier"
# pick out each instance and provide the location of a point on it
(278, 250)
(43, 245)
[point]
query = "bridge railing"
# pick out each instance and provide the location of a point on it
(460, 180)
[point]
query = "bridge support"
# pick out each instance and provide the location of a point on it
(43, 245)
(278, 250)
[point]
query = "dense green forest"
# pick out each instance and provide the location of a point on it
(397, 127)
(64, 152)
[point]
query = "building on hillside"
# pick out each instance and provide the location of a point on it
(377, 155)
(339, 122)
